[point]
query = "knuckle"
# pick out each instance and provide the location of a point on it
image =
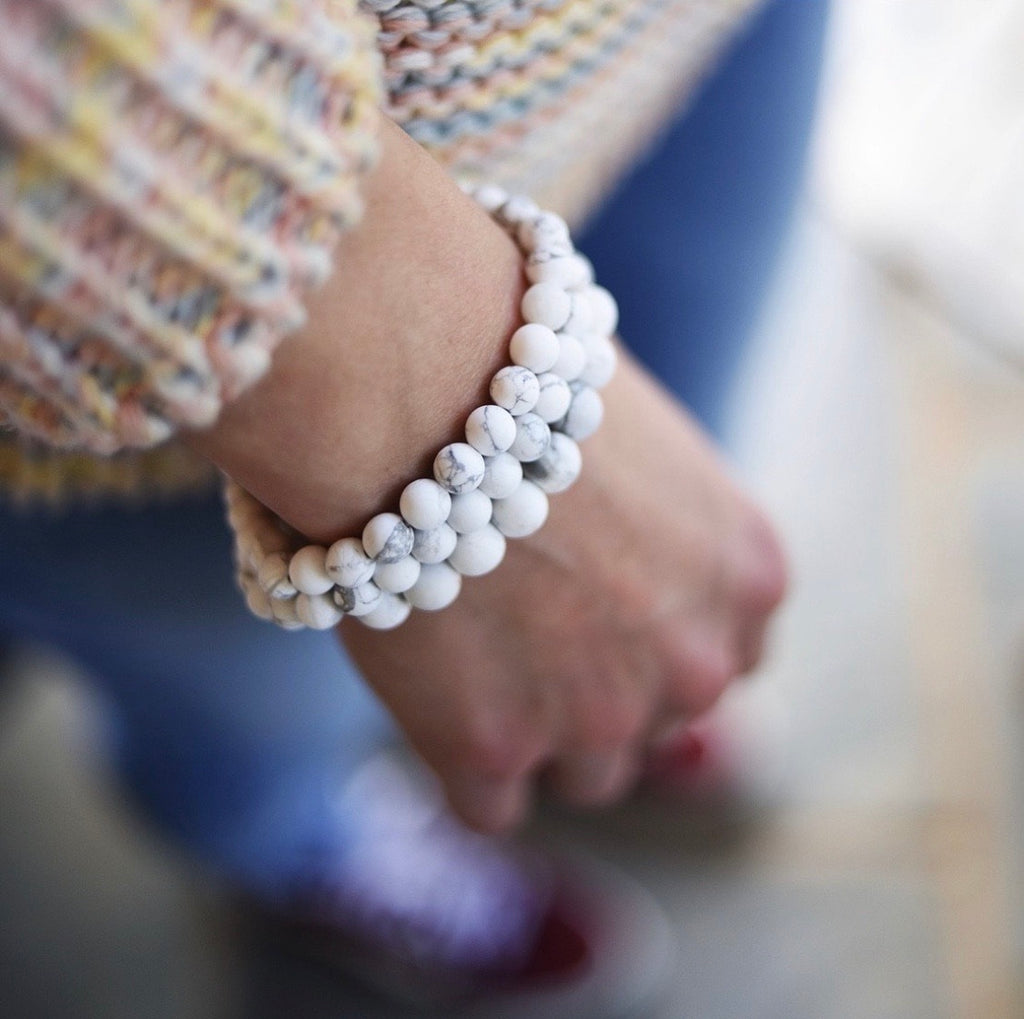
(499, 751)
(763, 575)
(697, 674)
(613, 722)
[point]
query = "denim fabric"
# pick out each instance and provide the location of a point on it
(232, 735)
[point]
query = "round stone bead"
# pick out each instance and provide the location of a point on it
(515, 388)
(572, 357)
(522, 513)
(555, 397)
(458, 468)
(438, 586)
(532, 437)
(584, 414)
(559, 467)
(284, 613)
(390, 611)
(434, 546)
(425, 504)
(547, 305)
(581, 321)
(602, 359)
(565, 271)
(534, 346)
(518, 209)
(501, 476)
(347, 563)
(357, 601)
(490, 196)
(307, 571)
(399, 576)
(490, 430)
(387, 538)
(273, 576)
(479, 552)
(604, 312)
(317, 611)
(470, 511)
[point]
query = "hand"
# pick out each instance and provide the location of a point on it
(647, 591)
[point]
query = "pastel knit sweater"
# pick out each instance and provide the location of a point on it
(174, 175)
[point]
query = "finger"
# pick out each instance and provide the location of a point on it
(593, 778)
(489, 805)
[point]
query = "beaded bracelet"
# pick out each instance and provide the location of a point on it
(495, 485)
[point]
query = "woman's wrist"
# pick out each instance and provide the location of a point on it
(399, 347)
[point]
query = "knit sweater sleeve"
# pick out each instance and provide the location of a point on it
(173, 177)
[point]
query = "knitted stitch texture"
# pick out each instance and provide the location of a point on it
(174, 175)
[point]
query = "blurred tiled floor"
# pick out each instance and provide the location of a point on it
(882, 878)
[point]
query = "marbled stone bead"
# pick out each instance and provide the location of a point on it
(357, 601)
(434, 546)
(518, 209)
(391, 611)
(602, 359)
(555, 397)
(307, 571)
(490, 429)
(584, 414)
(317, 611)
(559, 467)
(398, 576)
(544, 230)
(479, 552)
(470, 511)
(284, 613)
(572, 358)
(437, 587)
(502, 475)
(581, 321)
(532, 437)
(547, 305)
(565, 271)
(522, 513)
(347, 563)
(515, 388)
(273, 576)
(604, 311)
(458, 468)
(535, 347)
(387, 538)
(490, 197)
(425, 504)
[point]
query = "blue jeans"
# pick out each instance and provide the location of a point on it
(232, 735)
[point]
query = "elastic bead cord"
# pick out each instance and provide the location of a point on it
(490, 486)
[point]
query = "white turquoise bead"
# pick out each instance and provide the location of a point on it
(532, 437)
(572, 357)
(515, 388)
(535, 347)
(479, 552)
(458, 468)
(387, 538)
(256, 599)
(434, 546)
(559, 467)
(470, 511)
(584, 414)
(522, 513)
(547, 305)
(437, 587)
(425, 504)
(347, 563)
(357, 601)
(272, 575)
(307, 571)
(317, 611)
(562, 270)
(555, 397)
(490, 429)
(602, 359)
(501, 476)
(284, 613)
(398, 576)
(390, 611)
(604, 312)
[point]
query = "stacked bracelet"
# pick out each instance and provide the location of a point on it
(518, 450)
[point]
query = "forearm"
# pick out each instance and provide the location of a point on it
(399, 346)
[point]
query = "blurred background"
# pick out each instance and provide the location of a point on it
(874, 863)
